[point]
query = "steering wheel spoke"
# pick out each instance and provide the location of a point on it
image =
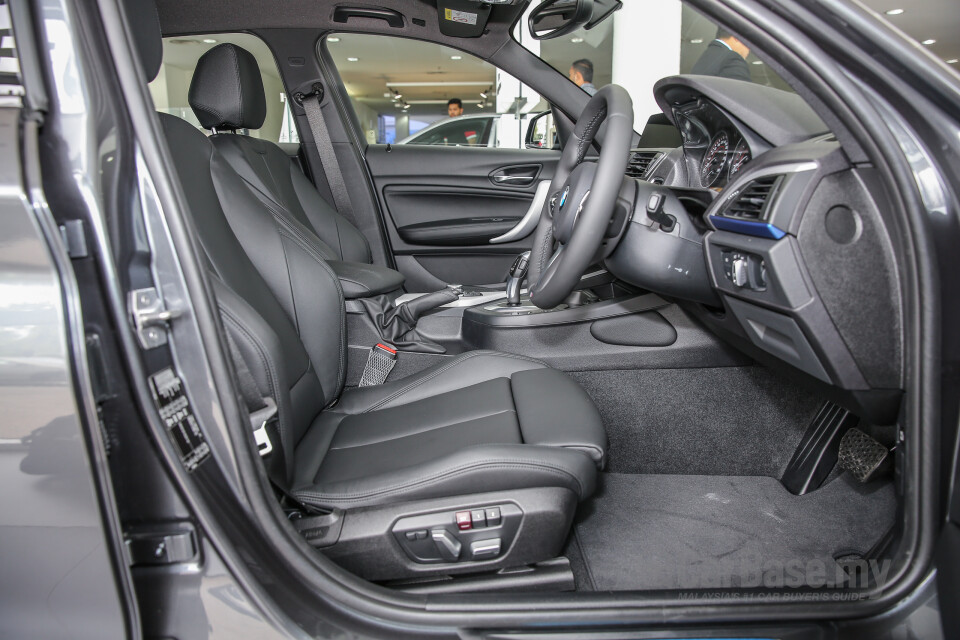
(585, 195)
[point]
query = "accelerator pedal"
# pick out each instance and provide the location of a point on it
(865, 458)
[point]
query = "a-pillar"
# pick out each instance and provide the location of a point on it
(646, 47)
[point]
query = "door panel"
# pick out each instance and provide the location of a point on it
(443, 206)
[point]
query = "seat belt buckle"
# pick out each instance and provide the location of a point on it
(380, 362)
(261, 417)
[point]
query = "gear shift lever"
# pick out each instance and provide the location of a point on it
(517, 273)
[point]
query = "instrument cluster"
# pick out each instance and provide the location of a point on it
(712, 143)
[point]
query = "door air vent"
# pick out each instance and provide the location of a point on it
(640, 162)
(753, 201)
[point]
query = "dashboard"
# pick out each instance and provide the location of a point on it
(781, 244)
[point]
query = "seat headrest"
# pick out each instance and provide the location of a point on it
(227, 90)
(145, 29)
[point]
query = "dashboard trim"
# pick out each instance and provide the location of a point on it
(747, 227)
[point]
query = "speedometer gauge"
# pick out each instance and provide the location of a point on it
(714, 160)
(741, 156)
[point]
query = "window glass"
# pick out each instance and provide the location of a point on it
(460, 131)
(180, 55)
(619, 50)
(400, 90)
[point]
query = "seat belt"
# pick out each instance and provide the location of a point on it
(321, 135)
(262, 409)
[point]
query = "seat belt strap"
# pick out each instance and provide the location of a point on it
(321, 135)
(261, 409)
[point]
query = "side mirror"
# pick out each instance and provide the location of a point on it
(555, 18)
(541, 132)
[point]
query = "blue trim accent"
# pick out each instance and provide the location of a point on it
(748, 227)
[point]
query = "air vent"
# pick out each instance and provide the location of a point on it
(752, 202)
(640, 162)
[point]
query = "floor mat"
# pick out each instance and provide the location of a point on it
(643, 532)
(692, 421)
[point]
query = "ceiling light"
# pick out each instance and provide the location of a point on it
(333, 39)
(456, 57)
(480, 105)
(576, 40)
(209, 41)
(483, 94)
(697, 41)
(929, 41)
(952, 61)
(758, 62)
(387, 95)
(894, 12)
(353, 59)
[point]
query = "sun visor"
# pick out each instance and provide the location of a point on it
(462, 18)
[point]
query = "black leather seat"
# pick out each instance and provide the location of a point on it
(226, 95)
(480, 422)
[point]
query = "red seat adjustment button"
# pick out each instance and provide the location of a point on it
(464, 521)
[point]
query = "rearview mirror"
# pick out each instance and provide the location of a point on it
(555, 18)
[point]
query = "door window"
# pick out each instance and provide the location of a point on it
(466, 131)
(412, 92)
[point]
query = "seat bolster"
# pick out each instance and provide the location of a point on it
(555, 411)
(475, 469)
(458, 372)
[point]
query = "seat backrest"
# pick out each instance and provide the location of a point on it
(278, 298)
(226, 94)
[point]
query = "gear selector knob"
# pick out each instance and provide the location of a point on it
(517, 273)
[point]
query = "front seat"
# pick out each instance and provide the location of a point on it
(226, 95)
(496, 434)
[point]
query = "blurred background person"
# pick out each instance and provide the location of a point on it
(454, 107)
(581, 73)
(725, 57)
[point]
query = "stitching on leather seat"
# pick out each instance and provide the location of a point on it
(418, 433)
(449, 473)
(456, 361)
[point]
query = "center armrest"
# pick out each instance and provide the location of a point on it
(360, 280)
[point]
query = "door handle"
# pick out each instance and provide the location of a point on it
(518, 175)
(502, 177)
(530, 219)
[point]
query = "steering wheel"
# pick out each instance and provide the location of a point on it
(583, 196)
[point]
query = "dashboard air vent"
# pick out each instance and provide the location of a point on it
(640, 162)
(752, 202)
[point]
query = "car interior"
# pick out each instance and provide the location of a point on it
(646, 359)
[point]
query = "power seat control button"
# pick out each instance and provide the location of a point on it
(464, 521)
(493, 517)
(484, 549)
(478, 518)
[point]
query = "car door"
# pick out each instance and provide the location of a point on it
(456, 209)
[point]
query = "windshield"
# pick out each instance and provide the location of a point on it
(641, 44)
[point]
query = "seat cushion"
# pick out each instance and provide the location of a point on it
(481, 422)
